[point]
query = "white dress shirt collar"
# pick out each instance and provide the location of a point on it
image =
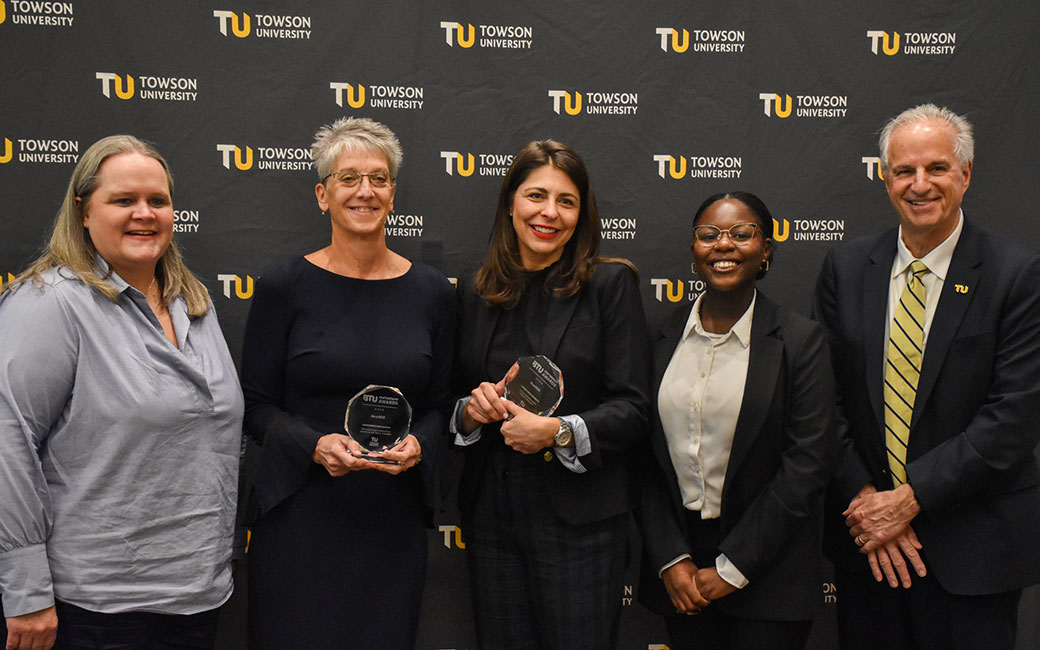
(937, 260)
(741, 329)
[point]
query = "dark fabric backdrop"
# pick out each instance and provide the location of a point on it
(668, 102)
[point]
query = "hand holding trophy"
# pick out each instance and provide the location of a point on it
(537, 385)
(378, 418)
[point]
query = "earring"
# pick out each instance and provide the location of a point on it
(693, 268)
(765, 265)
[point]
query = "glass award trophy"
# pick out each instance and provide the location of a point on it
(378, 418)
(537, 386)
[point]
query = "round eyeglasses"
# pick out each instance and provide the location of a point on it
(740, 234)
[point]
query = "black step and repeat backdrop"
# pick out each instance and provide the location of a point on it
(668, 101)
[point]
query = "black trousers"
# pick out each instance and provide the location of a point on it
(924, 617)
(81, 629)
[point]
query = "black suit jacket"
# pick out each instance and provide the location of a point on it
(598, 339)
(976, 420)
(783, 447)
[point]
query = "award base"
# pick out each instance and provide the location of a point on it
(378, 458)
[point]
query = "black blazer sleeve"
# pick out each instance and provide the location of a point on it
(617, 417)
(790, 491)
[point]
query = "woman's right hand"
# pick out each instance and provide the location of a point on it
(339, 454)
(485, 404)
(680, 581)
(33, 631)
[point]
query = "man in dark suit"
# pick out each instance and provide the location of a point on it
(934, 329)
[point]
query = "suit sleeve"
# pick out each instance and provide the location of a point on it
(287, 442)
(430, 424)
(620, 420)
(38, 360)
(793, 495)
(1004, 433)
(658, 522)
(850, 472)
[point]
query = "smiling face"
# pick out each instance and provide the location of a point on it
(724, 265)
(129, 216)
(925, 182)
(545, 208)
(359, 210)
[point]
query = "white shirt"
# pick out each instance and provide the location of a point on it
(938, 262)
(698, 403)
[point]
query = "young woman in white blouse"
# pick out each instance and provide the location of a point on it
(742, 440)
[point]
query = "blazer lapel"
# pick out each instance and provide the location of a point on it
(957, 292)
(486, 319)
(766, 357)
(876, 280)
(559, 316)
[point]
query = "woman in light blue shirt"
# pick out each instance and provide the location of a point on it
(120, 424)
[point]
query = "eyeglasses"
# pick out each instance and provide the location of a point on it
(740, 234)
(350, 178)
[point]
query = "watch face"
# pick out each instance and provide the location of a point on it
(564, 435)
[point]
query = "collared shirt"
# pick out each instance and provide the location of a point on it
(699, 402)
(119, 452)
(938, 262)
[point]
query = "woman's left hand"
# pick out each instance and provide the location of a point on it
(711, 585)
(406, 455)
(526, 432)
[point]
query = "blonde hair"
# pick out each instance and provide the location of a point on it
(71, 250)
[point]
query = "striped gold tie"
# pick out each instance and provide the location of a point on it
(903, 369)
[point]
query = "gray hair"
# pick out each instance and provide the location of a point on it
(354, 134)
(963, 140)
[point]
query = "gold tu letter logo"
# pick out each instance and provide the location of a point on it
(463, 169)
(359, 100)
(463, 41)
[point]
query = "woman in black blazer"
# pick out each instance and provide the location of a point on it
(545, 500)
(743, 440)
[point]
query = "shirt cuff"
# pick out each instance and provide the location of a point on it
(684, 556)
(582, 445)
(455, 425)
(729, 572)
(25, 580)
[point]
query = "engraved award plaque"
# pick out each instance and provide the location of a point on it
(378, 418)
(537, 387)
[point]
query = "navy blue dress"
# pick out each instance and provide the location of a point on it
(340, 562)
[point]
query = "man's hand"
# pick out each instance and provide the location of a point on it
(875, 518)
(890, 559)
